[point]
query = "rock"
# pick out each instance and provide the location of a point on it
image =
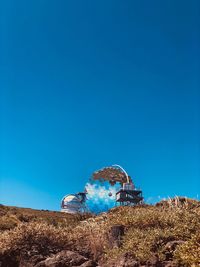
(115, 236)
(64, 258)
(126, 260)
(32, 261)
(168, 264)
(88, 264)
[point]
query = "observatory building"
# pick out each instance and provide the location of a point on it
(74, 203)
(123, 188)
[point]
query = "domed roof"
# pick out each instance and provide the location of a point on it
(72, 204)
(70, 198)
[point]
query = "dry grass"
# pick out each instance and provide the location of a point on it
(188, 254)
(147, 231)
(10, 217)
(40, 236)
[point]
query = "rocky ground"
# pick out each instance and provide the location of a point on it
(166, 234)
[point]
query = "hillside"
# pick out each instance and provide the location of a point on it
(166, 234)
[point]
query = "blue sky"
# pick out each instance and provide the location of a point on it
(86, 84)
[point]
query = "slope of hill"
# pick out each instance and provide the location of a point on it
(167, 234)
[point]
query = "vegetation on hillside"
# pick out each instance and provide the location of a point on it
(149, 232)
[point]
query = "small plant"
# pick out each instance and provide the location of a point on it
(188, 254)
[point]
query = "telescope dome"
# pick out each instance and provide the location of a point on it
(73, 203)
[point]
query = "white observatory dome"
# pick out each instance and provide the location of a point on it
(73, 204)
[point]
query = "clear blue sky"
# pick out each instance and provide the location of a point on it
(86, 84)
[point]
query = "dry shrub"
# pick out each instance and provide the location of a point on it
(93, 232)
(33, 238)
(188, 254)
(179, 202)
(148, 229)
(8, 222)
(12, 216)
